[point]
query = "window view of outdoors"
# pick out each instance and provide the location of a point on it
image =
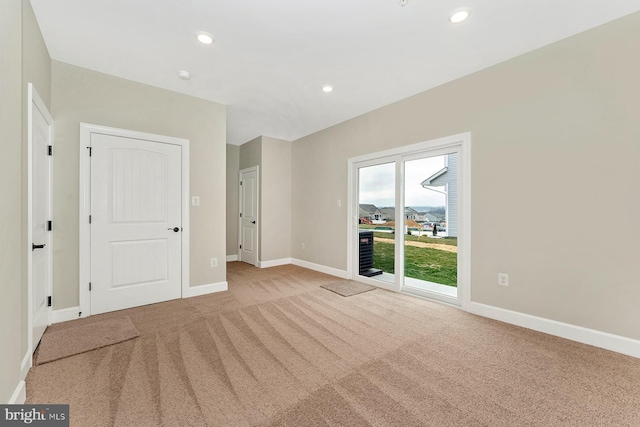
(430, 220)
(376, 186)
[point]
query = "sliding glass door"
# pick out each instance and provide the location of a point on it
(408, 222)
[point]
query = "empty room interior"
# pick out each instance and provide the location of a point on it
(389, 212)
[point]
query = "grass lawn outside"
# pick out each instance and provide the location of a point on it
(428, 264)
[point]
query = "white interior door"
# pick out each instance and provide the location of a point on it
(40, 141)
(249, 215)
(136, 222)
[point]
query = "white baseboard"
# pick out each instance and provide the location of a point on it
(321, 268)
(19, 396)
(25, 365)
(206, 289)
(617, 343)
(231, 258)
(273, 263)
(65, 314)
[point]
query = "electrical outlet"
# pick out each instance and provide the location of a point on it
(303, 246)
(214, 262)
(195, 200)
(503, 279)
(339, 203)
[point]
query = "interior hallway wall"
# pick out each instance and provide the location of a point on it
(82, 95)
(276, 199)
(11, 271)
(273, 156)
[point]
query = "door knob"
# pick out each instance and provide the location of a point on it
(253, 222)
(34, 247)
(176, 229)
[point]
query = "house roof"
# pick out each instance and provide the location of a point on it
(427, 182)
(368, 208)
(388, 210)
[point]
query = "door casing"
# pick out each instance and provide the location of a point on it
(86, 130)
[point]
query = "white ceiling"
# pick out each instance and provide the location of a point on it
(272, 57)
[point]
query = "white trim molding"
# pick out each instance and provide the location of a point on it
(27, 362)
(617, 343)
(321, 268)
(231, 258)
(66, 314)
(19, 395)
(196, 291)
(274, 263)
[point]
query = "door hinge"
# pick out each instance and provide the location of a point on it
(51, 150)
(240, 182)
(240, 214)
(90, 150)
(89, 219)
(89, 286)
(240, 246)
(49, 225)
(49, 302)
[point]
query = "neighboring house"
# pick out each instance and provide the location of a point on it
(410, 213)
(447, 177)
(389, 214)
(426, 217)
(371, 212)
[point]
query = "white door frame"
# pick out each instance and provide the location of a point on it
(36, 101)
(86, 130)
(257, 170)
(439, 145)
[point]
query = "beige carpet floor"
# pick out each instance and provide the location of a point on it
(278, 350)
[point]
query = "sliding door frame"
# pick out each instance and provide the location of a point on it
(460, 143)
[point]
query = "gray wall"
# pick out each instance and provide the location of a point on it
(81, 95)
(11, 272)
(554, 131)
(251, 153)
(233, 167)
(275, 199)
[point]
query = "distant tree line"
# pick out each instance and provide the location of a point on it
(430, 209)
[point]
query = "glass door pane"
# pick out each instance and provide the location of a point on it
(431, 224)
(376, 206)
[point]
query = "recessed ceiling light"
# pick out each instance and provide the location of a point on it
(327, 88)
(204, 37)
(459, 15)
(184, 74)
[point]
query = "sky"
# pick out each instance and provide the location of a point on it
(377, 183)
